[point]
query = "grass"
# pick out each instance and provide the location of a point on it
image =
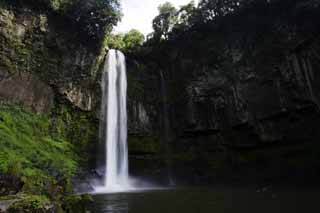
(29, 152)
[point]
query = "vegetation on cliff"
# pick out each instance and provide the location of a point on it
(43, 161)
(51, 52)
(91, 19)
(29, 151)
(127, 42)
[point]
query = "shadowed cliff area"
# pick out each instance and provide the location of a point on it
(231, 90)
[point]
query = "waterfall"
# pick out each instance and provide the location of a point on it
(113, 125)
(113, 130)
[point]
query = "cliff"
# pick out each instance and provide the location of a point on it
(236, 99)
(50, 57)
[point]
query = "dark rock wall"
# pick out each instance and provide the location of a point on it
(40, 44)
(27, 89)
(239, 121)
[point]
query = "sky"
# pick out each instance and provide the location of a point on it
(138, 14)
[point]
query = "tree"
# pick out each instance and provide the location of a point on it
(92, 18)
(186, 12)
(164, 22)
(115, 41)
(133, 39)
(125, 42)
(211, 9)
(185, 18)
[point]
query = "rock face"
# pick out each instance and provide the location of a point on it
(28, 90)
(46, 68)
(248, 121)
(9, 185)
(83, 98)
(50, 68)
(37, 53)
(138, 118)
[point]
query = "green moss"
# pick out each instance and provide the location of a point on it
(28, 151)
(84, 17)
(77, 203)
(56, 4)
(7, 63)
(29, 203)
(18, 58)
(78, 127)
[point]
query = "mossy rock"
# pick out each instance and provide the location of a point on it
(29, 152)
(78, 127)
(34, 204)
(10, 184)
(77, 203)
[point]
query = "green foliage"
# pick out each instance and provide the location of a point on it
(163, 23)
(75, 126)
(28, 150)
(231, 17)
(185, 15)
(115, 41)
(133, 39)
(211, 9)
(30, 203)
(41, 204)
(125, 42)
(92, 18)
(77, 203)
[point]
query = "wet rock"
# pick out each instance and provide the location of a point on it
(38, 62)
(32, 203)
(226, 119)
(77, 203)
(80, 97)
(10, 185)
(5, 204)
(28, 90)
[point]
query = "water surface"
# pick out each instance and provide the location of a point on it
(215, 200)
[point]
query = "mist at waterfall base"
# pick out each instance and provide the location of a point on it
(113, 129)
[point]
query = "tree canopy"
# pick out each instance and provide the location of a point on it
(93, 18)
(125, 42)
(163, 23)
(133, 39)
(224, 16)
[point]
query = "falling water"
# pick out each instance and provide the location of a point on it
(113, 128)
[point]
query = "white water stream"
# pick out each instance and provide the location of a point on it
(114, 104)
(113, 129)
